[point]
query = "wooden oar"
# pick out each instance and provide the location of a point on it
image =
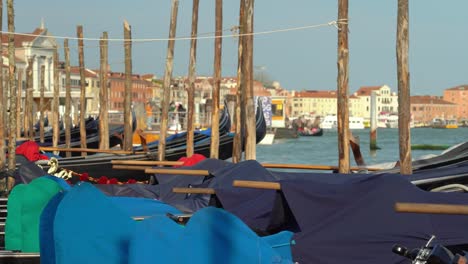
(181, 172)
(311, 167)
(194, 190)
(257, 184)
(110, 151)
(236, 183)
(130, 167)
(428, 208)
(265, 165)
(206, 172)
(147, 162)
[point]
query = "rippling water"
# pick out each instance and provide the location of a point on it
(324, 150)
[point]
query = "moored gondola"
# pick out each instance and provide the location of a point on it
(100, 164)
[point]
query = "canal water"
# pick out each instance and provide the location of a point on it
(324, 150)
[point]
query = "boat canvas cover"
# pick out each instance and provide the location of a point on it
(343, 218)
(88, 221)
(101, 232)
(212, 235)
(25, 205)
(163, 190)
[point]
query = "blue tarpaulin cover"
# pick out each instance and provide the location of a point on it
(212, 235)
(89, 227)
(85, 226)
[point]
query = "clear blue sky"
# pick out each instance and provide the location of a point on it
(304, 59)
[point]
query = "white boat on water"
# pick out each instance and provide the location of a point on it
(331, 122)
(392, 121)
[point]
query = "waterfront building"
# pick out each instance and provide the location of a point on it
(313, 103)
(387, 101)
(36, 48)
(459, 96)
(426, 108)
(321, 103)
(141, 90)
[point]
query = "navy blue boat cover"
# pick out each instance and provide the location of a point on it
(341, 218)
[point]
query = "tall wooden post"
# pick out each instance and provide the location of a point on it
(373, 121)
(41, 105)
(128, 88)
(68, 121)
(343, 79)
(13, 94)
(404, 109)
(2, 110)
(79, 32)
(29, 109)
(167, 81)
(18, 103)
(214, 147)
(238, 112)
(56, 103)
(191, 79)
(250, 135)
(103, 95)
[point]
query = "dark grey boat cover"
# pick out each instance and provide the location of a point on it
(163, 191)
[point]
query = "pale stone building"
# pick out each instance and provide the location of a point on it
(387, 101)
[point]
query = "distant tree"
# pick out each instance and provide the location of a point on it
(261, 76)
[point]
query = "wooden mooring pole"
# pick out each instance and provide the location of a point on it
(79, 31)
(103, 94)
(41, 105)
(56, 103)
(28, 107)
(167, 81)
(18, 103)
(13, 94)
(128, 137)
(343, 79)
(68, 119)
(404, 109)
(373, 121)
(2, 111)
(239, 115)
(191, 79)
(249, 106)
(214, 146)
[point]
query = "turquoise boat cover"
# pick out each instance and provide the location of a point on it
(86, 226)
(212, 235)
(46, 229)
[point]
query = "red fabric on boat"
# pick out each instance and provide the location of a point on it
(194, 159)
(30, 150)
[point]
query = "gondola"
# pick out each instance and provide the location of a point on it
(315, 132)
(179, 139)
(91, 125)
(92, 136)
(100, 164)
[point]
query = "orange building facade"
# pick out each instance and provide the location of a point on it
(425, 108)
(459, 96)
(142, 90)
